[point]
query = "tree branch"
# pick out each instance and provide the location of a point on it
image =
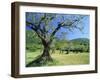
(29, 23)
(54, 32)
(71, 23)
(45, 18)
(37, 30)
(63, 24)
(40, 36)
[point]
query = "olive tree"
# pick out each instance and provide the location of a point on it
(47, 26)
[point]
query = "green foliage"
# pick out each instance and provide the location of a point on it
(61, 44)
(81, 43)
(33, 43)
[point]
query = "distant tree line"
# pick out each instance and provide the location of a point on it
(79, 45)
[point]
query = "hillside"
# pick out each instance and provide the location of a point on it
(80, 41)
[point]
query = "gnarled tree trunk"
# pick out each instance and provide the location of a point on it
(44, 57)
(46, 52)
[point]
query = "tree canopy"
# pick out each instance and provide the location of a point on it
(50, 25)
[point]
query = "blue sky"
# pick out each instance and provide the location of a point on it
(75, 33)
(85, 32)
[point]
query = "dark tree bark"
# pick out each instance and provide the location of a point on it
(46, 52)
(44, 57)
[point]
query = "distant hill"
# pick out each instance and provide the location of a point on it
(80, 41)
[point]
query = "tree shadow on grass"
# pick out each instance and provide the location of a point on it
(39, 61)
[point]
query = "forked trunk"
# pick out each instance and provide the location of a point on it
(44, 58)
(46, 53)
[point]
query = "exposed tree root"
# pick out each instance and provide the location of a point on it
(39, 61)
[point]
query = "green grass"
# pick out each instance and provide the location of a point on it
(60, 59)
(30, 56)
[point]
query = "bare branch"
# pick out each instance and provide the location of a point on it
(33, 26)
(72, 22)
(38, 31)
(54, 32)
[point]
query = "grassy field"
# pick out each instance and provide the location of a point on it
(61, 59)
